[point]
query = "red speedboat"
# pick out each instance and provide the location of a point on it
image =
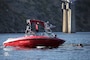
(35, 40)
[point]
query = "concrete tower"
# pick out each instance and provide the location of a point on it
(68, 17)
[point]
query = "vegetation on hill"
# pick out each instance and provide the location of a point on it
(14, 13)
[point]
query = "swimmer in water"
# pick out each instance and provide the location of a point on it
(77, 45)
(80, 45)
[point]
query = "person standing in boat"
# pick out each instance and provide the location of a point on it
(48, 30)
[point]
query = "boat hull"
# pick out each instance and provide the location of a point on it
(34, 41)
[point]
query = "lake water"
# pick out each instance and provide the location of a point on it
(65, 52)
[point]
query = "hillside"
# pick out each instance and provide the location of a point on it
(13, 14)
(82, 15)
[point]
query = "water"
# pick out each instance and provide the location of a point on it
(65, 52)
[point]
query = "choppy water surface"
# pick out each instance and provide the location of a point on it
(68, 51)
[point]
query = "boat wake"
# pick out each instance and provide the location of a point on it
(64, 47)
